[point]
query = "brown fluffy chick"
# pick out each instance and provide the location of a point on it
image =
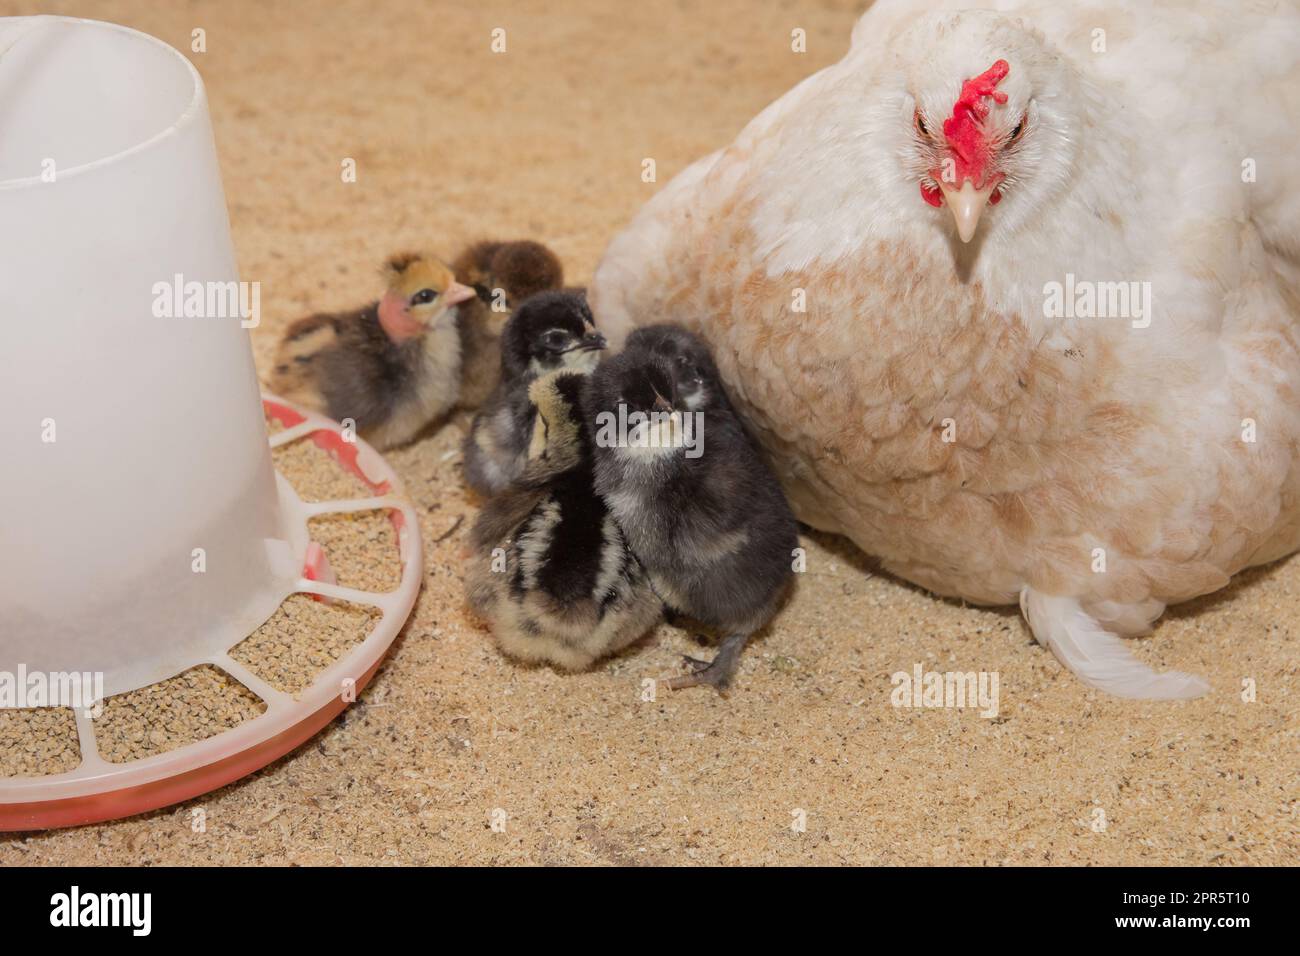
(551, 570)
(392, 366)
(502, 274)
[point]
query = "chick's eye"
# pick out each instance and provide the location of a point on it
(919, 120)
(423, 297)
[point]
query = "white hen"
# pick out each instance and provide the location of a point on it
(1011, 298)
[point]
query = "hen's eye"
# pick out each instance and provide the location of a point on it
(1015, 133)
(423, 297)
(919, 120)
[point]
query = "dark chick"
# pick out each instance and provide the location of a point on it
(696, 377)
(392, 366)
(696, 501)
(503, 275)
(551, 570)
(550, 331)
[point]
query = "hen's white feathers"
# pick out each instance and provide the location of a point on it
(923, 400)
(1098, 657)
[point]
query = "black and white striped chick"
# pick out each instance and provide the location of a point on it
(392, 366)
(503, 275)
(550, 331)
(696, 501)
(551, 570)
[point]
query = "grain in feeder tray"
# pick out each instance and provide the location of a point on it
(362, 548)
(192, 706)
(302, 638)
(38, 741)
(315, 474)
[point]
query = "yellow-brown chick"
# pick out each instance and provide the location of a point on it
(502, 274)
(392, 366)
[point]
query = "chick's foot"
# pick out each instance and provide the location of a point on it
(718, 672)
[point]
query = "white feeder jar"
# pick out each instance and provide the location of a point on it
(143, 529)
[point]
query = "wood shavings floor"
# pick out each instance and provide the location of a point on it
(453, 142)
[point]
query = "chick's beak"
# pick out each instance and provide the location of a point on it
(457, 293)
(967, 204)
(592, 342)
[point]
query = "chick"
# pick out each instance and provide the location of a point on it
(697, 378)
(695, 499)
(551, 330)
(392, 366)
(552, 571)
(503, 274)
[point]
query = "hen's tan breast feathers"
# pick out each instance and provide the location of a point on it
(915, 393)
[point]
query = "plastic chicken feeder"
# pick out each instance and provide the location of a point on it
(144, 529)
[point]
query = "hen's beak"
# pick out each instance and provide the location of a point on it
(967, 204)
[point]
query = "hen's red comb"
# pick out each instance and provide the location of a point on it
(964, 130)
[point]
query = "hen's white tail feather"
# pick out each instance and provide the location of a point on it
(1096, 656)
(1126, 620)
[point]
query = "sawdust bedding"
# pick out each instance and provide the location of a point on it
(584, 769)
